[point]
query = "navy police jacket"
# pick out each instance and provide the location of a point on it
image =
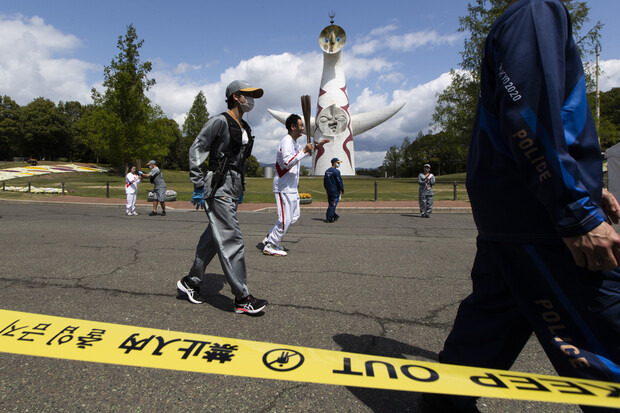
(534, 168)
(332, 181)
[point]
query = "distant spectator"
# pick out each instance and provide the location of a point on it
(132, 179)
(332, 182)
(159, 188)
(426, 180)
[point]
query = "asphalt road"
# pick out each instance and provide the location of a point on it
(381, 284)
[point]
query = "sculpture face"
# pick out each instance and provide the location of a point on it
(332, 39)
(333, 121)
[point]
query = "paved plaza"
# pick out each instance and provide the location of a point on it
(375, 283)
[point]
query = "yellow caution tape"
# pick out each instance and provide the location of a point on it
(73, 339)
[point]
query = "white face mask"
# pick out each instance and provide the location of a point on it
(248, 105)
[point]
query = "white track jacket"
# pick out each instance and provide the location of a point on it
(287, 165)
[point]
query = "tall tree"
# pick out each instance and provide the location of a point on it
(392, 161)
(97, 127)
(455, 108)
(10, 129)
(46, 132)
(196, 118)
(252, 167)
(72, 112)
(126, 81)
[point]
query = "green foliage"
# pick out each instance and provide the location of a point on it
(373, 172)
(10, 128)
(45, 129)
(480, 17)
(393, 161)
(196, 118)
(609, 125)
(137, 130)
(455, 109)
(253, 168)
(456, 106)
(444, 152)
(610, 106)
(100, 129)
(74, 113)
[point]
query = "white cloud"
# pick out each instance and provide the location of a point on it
(286, 77)
(366, 48)
(611, 74)
(383, 30)
(369, 159)
(183, 68)
(411, 41)
(414, 117)
(44, 38)
(34, 62)
(383, 38)
(360, 68)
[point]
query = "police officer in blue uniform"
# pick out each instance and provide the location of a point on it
(547, 255)
(332, 181)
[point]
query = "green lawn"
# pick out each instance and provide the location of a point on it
(257, 189)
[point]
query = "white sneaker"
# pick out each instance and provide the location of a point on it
(265, 240)
(134, 213)
(271, 249)
(128, 214)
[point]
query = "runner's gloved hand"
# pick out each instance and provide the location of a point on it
(198, 197)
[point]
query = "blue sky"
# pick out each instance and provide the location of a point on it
(396, 51)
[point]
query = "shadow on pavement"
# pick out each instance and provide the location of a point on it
(383, 401)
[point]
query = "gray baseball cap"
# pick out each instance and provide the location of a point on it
(245, 87)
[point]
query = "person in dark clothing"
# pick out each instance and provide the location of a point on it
(547, 258)
(332, 181)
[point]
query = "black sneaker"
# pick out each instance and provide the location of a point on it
(152, 213)
(192, 294)
(249, 305)
(163, 213)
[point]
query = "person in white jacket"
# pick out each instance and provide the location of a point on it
(132, 179)
(285, 183)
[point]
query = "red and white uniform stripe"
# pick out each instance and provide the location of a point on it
(285, 184)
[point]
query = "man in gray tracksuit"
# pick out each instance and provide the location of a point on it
(426, 180)
(228, 139)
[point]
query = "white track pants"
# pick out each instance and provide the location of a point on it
(131, 202)
(287, 204)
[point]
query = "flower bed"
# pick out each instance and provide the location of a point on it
(33, 190)
(305, 198)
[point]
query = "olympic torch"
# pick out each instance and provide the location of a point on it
(305, 109)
